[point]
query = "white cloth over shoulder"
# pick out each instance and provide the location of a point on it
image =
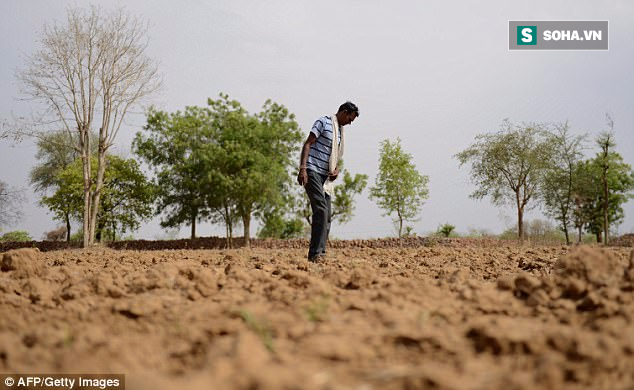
(336, 153)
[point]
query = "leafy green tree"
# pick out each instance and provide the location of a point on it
(589, 193)
(16, 236)
(55, 152)
(399, 188)
(178, 147)
(67, 200)
(559, 180)
(509, 166)
(586, 191)
(127, 196)
(219, 162)
(256, 156)
(606, 143)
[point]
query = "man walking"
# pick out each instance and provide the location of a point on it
(318, 168)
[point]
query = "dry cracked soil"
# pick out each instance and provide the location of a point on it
(389, 318)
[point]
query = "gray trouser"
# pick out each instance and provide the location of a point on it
(320, 205)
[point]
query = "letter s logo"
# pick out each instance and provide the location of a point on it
(526, 32)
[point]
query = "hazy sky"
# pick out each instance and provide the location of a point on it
(434, 73)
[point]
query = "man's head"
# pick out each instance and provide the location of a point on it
(347, 113)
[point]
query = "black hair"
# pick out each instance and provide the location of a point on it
(349, 107)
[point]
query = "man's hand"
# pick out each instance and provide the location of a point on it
(302, 177)
(333, 175)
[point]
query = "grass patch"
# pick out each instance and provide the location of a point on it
(261, 329)
(317, 311)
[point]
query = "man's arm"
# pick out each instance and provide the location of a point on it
(302, 176)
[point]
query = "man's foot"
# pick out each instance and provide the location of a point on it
(317, 258)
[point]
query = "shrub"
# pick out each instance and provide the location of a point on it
(446, 230)
(16, 236)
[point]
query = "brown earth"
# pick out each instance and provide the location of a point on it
(238, 242)
(366, 318)
(626, 240)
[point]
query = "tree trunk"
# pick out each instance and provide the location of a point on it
(580, 234)
(606, 225)
(400, 219)
(520, 224)
(85, 157)
(599, 237)
(96, 196)
(228, 226)
(568, 206)
(193, 232)
(230, 234)
(67, 218)
(565, 226)
(520, 219)
(227, 243)
(246, 221)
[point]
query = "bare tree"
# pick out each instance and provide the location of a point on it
(89, 73)
(10, 198)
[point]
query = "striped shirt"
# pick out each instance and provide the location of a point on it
(319, 154)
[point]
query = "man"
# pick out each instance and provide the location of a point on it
(318, 168)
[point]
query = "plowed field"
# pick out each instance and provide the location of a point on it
(386, 318)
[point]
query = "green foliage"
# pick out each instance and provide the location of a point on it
(285, 220)
(126, 195)
(560, 179)
(77, 236)
(590, 196)
(409, 232)
(256, 156)
(542, 231)
(177, 147)
(55, 152)
(343, 197)
(220, 162)
(275, 225)
(446, 230)
(537, 231)
(317, 310)
(261, 329)
(16, 236)
(399, 189)
(508, 234)
(509, 165)
(342, 202)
